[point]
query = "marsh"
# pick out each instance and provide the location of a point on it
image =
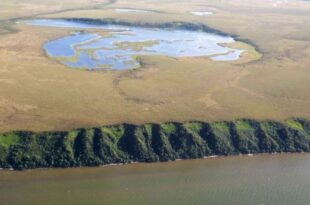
(119, 49)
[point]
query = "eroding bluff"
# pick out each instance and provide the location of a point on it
(125, 143)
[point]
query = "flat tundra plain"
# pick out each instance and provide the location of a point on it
(270, 81)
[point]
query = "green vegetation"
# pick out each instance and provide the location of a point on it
(295, 124)
(246, 136)
(169, 127)
(220, 138)
(150, 143)
(9, 139)
(194, 126)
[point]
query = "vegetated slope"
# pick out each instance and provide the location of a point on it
(151, 142)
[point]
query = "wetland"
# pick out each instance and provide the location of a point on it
(122, 44)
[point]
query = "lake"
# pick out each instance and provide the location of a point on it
(282, 179)
(121, 47)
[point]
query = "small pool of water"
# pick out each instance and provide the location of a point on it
(131, 10)
(202, 13)
(122, 45)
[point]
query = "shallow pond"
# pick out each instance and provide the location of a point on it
(122, 45)
(131, 10)
(202, 13)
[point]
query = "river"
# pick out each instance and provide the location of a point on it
(259, 180)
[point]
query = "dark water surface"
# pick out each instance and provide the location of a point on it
(261, 180)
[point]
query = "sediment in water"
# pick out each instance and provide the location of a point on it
(125, 143)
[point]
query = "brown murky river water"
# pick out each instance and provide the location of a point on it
(259, 180)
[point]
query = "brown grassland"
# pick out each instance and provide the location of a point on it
(38, 93)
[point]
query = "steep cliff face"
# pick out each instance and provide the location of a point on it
(151, 142)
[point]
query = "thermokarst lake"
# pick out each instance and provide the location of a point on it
(121, 46)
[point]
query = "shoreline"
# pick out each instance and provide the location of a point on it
(150, 163)
(182, 25)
